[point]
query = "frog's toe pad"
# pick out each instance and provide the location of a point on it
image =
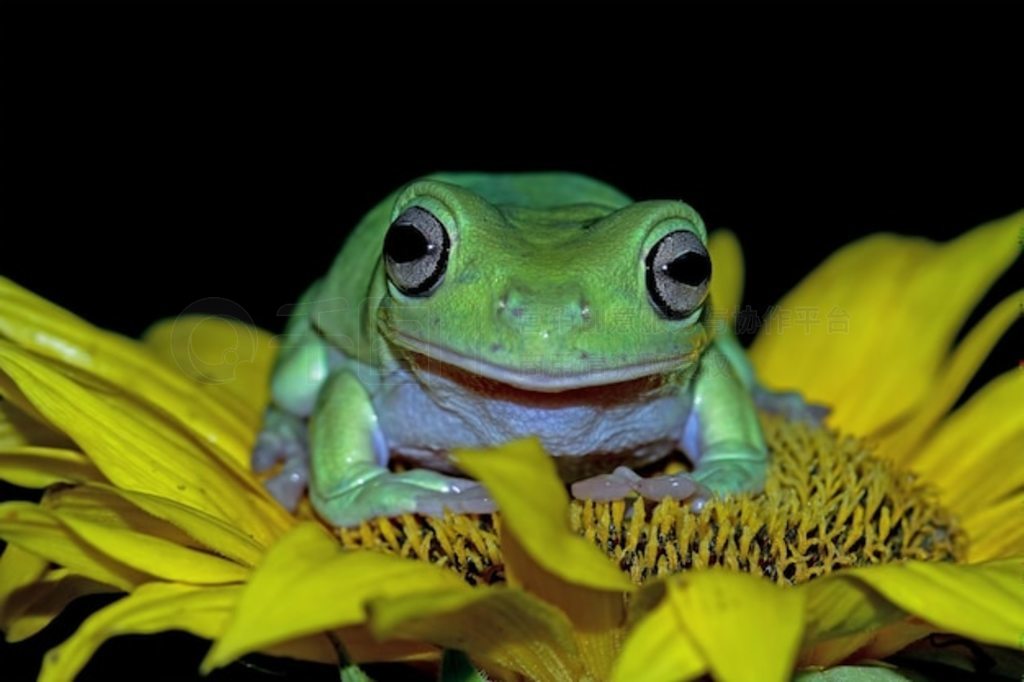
(607, 487)
(790, 404)
(473, 499)
(289, 485)
(675, 487)
(272, 448)
(283, 438)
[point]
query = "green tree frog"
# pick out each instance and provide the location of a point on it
(469, 310)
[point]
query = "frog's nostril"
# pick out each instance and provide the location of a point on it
(512, 304)
(546, 314)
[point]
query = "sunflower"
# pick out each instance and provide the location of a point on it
(899, 520)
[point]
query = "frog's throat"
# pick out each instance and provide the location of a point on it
(539, 380)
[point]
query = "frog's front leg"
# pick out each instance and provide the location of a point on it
(722, 436)
(350, 480)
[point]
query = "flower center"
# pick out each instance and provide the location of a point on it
(828, 504)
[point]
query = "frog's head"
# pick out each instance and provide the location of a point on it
(545, 298)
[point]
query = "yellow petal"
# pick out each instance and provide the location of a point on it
(598, 616)
(894, 638)
(659, 650)
(727, 281)
(228, 359)
(503, 627)
(156, 607)
(841, 616)
(534, 507)
(39, 467)
(18, 569)
(25, 425)
(362, 646)
(210, 531)
(745, 627)
(542, 553)
(838, 606)
(137, 451)
(984, 602)
(308, 584)
(144, 549)
(38, 531)
(103, 505)
(996, 531)
(18, 429)
(50, 331)
(953, 378)
(35, 607)
(317, 648)
(832, 651)
(974, 457)
(884, 315)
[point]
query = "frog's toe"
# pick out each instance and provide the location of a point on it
(680, 486)
(272, 448)
(607, 487)
(790, 404)
(288, 486)
(472, 498)
(283, 438)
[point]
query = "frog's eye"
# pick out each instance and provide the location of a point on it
(416, 251)
(678, 274)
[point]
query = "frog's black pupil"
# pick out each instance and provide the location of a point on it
(405, 243)
(690, 269)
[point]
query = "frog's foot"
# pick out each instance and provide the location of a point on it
(724, 472)
(607, 487)
(283, 439)
(375, 492)
(790, 404)
(624, 482)
(681, 486)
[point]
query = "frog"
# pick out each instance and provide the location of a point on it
(470, 310)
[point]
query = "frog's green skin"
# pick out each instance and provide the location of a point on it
(541, 325)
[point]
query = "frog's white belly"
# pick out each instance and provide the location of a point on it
(423, 415)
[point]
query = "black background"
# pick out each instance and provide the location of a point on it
(153, 163)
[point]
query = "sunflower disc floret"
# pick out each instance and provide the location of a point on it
(829, 504)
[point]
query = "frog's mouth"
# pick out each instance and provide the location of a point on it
(539, 380)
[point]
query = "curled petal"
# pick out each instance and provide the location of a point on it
(499, 627)
(745, 627)
(659, 650)
(308, 584)
(535, 508)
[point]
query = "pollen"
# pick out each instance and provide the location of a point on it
(829, 503)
